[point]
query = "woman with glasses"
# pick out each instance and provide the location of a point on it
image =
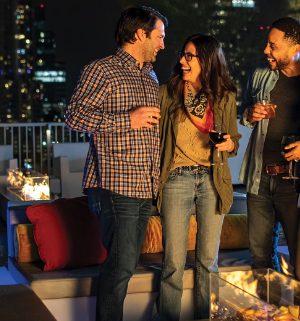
(194, 173)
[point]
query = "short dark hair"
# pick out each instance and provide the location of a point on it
(291, 28)
(134, 18)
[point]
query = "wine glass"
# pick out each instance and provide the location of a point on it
(286, 140)
(216, 137)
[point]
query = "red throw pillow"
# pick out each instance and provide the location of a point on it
(66, 233)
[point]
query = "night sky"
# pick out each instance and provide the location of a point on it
(84, 31)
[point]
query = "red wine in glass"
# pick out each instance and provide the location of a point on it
(217, 137)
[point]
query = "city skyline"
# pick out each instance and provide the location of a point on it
(86, 32)
(83, 33)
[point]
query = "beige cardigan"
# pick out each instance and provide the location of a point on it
(224, 113)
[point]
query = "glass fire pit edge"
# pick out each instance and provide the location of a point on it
(254, 295)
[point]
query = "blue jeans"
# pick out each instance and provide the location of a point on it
(276, 202)
(123, 222)
(183, 191)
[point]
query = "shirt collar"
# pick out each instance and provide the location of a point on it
(130, 61)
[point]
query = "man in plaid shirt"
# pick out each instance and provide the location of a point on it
(116, 101)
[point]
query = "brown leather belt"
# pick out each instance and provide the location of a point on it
(275, 169)
(192, 168)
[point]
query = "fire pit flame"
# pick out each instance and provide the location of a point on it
(254, 295)
(285, 267)
(28, 186)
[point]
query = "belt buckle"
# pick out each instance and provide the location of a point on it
(193, 168)
(271, 169)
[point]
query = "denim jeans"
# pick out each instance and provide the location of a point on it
(123, 222)
(276, 202)
(184, 191)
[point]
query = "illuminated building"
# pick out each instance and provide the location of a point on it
(294, 8)
(7, 95)
(27, 47)
(48, 71)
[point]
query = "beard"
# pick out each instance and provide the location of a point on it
(149, 52)
(279, 64)
(149, 56)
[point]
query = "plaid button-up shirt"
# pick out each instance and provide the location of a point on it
(120, 159)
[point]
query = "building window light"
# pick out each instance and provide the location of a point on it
(50, 76)
(19, 36)
(21, 51)
(243, 3)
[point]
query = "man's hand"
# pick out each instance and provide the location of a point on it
(144, 117)
(293, 153)
(256, 113)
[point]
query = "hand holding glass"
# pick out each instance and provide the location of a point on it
(286, 140)
(269, 107)
(217, 137)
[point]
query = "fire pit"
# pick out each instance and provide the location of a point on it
(254, 295)
(28, 185)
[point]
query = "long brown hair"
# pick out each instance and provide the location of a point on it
(214, 76)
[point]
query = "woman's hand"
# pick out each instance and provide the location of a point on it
(227, 145)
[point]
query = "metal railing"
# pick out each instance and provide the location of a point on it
(32, 142)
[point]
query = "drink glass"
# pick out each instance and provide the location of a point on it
(286, 140)
(269, 108)
(216, 137)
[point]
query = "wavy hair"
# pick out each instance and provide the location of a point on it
(214, 77)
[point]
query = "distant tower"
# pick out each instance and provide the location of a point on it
(49, 72)
(26, 49)
(7, 90)
(27, 106)
(294, 8)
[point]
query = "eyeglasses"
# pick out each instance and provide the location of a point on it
(187, 55)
